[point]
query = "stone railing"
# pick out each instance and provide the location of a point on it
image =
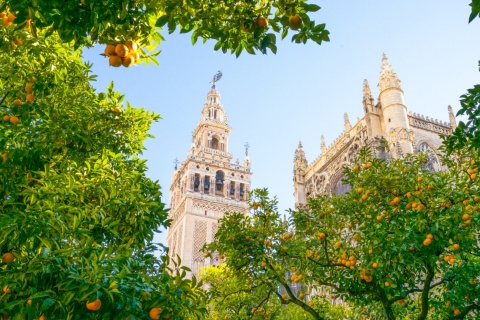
(216, 152)
(422, 122)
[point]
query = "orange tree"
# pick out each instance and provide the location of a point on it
(402, 243)
(77, 212)
(234, 25)
(234, 295)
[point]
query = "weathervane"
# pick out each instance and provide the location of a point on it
(215, 79)
(246, 148)
(176, 163)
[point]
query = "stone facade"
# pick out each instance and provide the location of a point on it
(388, 128)
(205, 186)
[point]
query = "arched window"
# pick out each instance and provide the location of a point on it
(219, 178)
(338, 187)
(215, 143)
(432, 164)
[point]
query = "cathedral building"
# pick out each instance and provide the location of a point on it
(205, 186)
(387, 127)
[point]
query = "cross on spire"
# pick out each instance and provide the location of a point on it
(176, 162)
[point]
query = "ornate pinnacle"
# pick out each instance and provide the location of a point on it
(346, 122)
(367, 93)
(323, 145)
(451, 115)
(388, 78)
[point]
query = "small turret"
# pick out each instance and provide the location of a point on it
(453, 121)
(300, 166)
(395, 118)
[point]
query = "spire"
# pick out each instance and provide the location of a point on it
(368, 101)
(453, 121)
(323, 145)
(346, 122)
(388, 77)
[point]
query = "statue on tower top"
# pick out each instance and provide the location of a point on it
(215, 79)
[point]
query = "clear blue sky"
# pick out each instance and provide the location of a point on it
(275, 101)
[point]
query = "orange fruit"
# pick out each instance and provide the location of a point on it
(262, 22)
(311, 303)
(8, 257)
(465, 217)
(42, 317)
(387, 284)
(155, 313)
(360, 190)
(115, 61)
(4, 157)
(131, 45)
(294, 22)
(321, 235)
(94, 305)
(420, 179)
(32, 79)
(456, 246)
(448, 303)
(29, 302)
(429, 236)
(135, 55)
(121, 50)
(30, 97)
(117, 110)
(3, 14)
(284, 296)
(379, 218)
(28, 23)
(14, 120)
(6, 118)
(5, 22)
(17, 102)
(356, 167)
(301, 295)
(128, 61)
(338, 244)
(110, 50)
(263, 264)
(427, 242)
(456, 311)
(473, 176)
(375, 265)
(28, 88)
(6, 290)
(11, 17)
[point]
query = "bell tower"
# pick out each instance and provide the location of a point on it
(205, 186)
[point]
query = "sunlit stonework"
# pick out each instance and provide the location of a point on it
(387, 127)
(205, 186)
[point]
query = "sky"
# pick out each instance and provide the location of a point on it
(302, 92)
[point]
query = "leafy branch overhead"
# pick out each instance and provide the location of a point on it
(236, 26)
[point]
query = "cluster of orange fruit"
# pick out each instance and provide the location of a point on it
(122, 54)
(296, 277)
(294, 22)
(365, 276)
(348, 262)
(7, 18)
(428, 240)
(286, 236)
